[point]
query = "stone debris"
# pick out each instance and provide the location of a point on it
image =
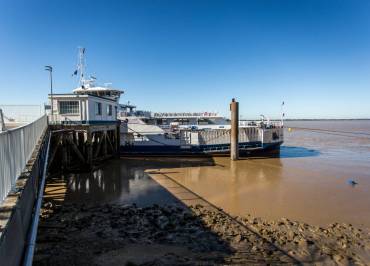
(178, 235)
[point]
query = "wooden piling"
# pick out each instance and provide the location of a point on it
(64, 152)
(89, 148)
(105, 146)
(234, 135)
(82, 146)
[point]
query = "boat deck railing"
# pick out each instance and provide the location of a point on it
(65, 121)
(219, 136)
(138, 114)
(188, 115)
(261, 124)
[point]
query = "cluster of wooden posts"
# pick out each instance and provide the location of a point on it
(81, 146)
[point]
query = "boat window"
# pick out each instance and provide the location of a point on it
(97, 108)
(182, 121)
(149, 121)
(109, 109)
(205, 121)
(161, 121)
(69, 107)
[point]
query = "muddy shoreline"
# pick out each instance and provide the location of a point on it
(113, 234)
(93, 219)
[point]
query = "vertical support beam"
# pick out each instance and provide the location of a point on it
(76, 150)
(84, 138)
(57, 136)
(234, 135)
(80, 142)
(89, 147)
(64, 151)
(99, 138)
(110, 139)
(104, 139)
(118, 137)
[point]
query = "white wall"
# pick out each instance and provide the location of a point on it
(70, 117)
(87, 108)
(104, 114)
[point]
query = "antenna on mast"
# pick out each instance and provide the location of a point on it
(80, 67)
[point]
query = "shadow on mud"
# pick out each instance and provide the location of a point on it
(118, 214)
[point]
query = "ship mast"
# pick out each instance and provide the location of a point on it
(81, 66)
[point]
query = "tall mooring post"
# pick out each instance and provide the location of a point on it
(234, 136)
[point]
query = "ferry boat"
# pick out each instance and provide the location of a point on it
(145, 132)
(150, 133)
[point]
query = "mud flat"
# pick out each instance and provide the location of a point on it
(113, 234)
(137, 214)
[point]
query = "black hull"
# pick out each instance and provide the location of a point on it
(206, 150)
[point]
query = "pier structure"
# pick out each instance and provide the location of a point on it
(79, 146)
(26, 154)
(82, 130)
(85, 129)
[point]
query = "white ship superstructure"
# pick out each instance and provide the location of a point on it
(88, 104)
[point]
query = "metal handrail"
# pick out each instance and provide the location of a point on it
(30, 248)
(16, 147)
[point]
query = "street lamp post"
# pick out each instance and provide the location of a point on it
(50, 69)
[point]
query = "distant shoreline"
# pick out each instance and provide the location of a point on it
(314, 119)
(326, 119)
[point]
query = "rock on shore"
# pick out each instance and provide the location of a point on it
(178, 235)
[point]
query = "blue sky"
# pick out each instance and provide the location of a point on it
(195, 55)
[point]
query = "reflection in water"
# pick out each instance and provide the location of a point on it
(109, 183)
(124, 180)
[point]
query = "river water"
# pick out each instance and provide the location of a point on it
(308, 181)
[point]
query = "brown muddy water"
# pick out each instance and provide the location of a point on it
(308, 181)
